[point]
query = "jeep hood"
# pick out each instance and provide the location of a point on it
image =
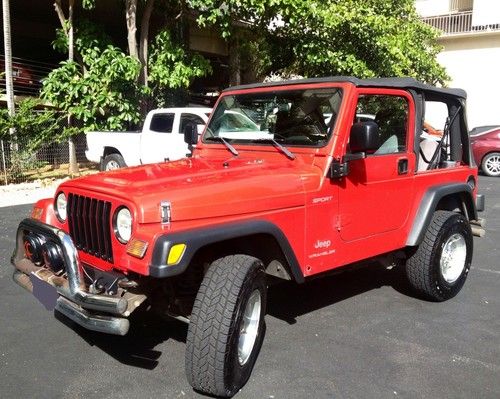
(198, 188)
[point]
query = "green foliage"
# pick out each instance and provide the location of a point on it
(88, 4)
(22, 161)
(102, 91)
(88, 35)
(33, 127)
(364, 38)
(170, 66)
(4, 122)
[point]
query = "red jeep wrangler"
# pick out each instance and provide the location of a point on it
(290, 180)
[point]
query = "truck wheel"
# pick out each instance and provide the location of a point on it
(491, 164)
(113, 161)
(227, 325)
(439, 267)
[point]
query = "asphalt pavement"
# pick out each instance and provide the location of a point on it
(360, 334)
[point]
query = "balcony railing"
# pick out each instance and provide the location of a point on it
(458, 23)
(27, 75)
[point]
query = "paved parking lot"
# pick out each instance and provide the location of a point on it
(356, 335)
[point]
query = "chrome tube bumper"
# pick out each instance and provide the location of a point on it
(74, 302)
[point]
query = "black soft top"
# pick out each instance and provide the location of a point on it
(397, 83)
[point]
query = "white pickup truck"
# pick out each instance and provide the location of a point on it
(161, 139)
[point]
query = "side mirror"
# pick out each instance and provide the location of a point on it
(190, 134)
(364, 137)
(200, 128)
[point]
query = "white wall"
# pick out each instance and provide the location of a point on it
(473, 63)
(486, 12)
(430, 8)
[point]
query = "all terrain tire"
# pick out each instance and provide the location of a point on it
(440, 265)
(227, 325)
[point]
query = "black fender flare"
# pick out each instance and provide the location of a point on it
(198, 238)
(429, 203)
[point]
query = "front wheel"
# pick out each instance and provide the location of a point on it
(112, 162)
(227, 325)
(491, 164)
(440, 265)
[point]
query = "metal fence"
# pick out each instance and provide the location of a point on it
(458, 23)
(27, 75)
(18, 164)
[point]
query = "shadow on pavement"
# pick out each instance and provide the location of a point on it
(286, 301)
(137, 348)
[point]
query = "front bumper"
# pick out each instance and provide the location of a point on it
(93, 311)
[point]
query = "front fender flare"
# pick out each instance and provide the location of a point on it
(198, 238)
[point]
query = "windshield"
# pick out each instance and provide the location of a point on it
(292, 117)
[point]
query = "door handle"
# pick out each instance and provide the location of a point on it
(402, 166)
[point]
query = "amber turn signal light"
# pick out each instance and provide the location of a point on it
(137, 248)
(36, 213)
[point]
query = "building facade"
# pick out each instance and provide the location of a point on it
(33, 31)
(471, 51)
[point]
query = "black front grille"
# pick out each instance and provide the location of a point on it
(89, 222)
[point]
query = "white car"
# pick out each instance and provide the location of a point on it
(161, 139)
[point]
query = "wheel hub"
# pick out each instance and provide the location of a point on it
(453, 256)
(111, 165)
(493, 164)
(249, 327)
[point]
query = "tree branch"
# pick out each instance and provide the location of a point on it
(60, 14)
(131, 16)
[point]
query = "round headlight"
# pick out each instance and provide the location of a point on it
(61, 207)
(123, 225)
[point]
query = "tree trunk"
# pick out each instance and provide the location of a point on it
(234, 60)
(143, 43)
(9, 85)
(8, 74)
(71, 31)
(131, 17)
(73, 164)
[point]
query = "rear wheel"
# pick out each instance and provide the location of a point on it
(439, 267)
(491, 164)
(227, 325)
(113, 161)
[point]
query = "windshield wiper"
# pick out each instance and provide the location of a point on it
(282, 148)
(222, 140)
